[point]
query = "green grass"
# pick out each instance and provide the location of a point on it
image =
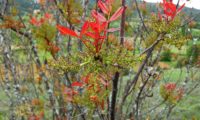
(196, 32)
(174, 75)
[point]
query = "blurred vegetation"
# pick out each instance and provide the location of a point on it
(166, 56)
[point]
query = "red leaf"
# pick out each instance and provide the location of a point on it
(168, 13)
(171, 7)
(47, 16)
(66, 31)
(170, 86)
(84, 28)
(159, 16)
(42, 20)
(92, 35)
(102, 104)
(117, 14)
(113, 29)
(52, 48)
(105, 83)
(86, 79)
(93, 98)
(55, 49)
(34, 117)
(97, 27)
(103, 26)
(180, 8)
(103, 7)
(77, 84)
(109, 1)
(164, 1)
(34, 21)
(98, 43)
(98, 16)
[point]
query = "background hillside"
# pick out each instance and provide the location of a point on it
(27, 5)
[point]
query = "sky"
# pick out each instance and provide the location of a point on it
(191, 3)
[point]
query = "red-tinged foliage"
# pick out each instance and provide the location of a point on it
(39, 80)
(77, 84)
(170, 9)
(90, 87)
(84, 29)
(97, 101)
(66, 31)
(104, 8)
(86, 79)
(170, 87)
(52, 48)
(34, 117)
(103, 81)
(98, 27)
(117, 14)
(102, 104)
(40, 116)
(180, 8)
(113, 29)
(35, 102)
(159, 16)
(171, 92)
(128, 45)
(98, 16)
(93, 98)
(109, 1)
(98, 88)
(180, 93)
(38, 22)
(91, 35)
(94, 33)
(37, 117)
(42, 20)
(35, 22)
(45, 19)
(90, 29)
(47, 16)
(69, 92)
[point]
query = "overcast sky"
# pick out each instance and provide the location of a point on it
(191, 3)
